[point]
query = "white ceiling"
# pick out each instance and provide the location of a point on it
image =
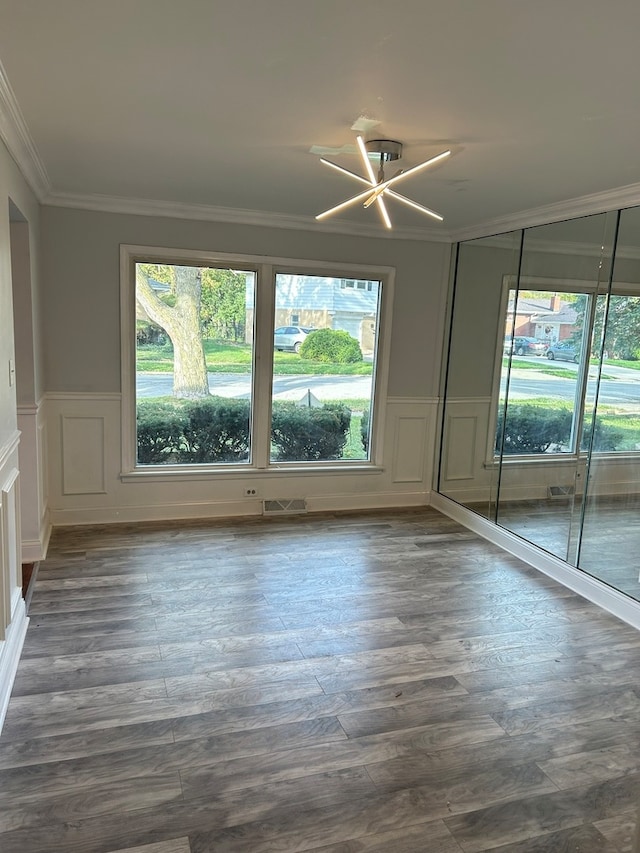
(203, 102)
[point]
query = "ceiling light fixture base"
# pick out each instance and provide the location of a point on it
(387, 149)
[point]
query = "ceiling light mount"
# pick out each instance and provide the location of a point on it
(379, 187)
(387, 149)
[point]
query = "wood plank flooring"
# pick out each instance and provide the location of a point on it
(382, 683)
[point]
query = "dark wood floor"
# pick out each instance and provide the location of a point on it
(384, 683)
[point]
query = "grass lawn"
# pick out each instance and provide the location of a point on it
(227, 357)
(632, 365)
(548, 369)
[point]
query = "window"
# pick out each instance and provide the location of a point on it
(353, 284)
(554, 393)
(325, 411)
(217, 376)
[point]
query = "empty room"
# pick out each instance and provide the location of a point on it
(319, 426)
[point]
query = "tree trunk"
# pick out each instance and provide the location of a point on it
(182, 323)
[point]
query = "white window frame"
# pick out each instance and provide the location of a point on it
(265, 268)
(553, 285)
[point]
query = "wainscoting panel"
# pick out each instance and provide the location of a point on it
(86, 486)
(13, 621)
(33, 483)
(83, 455)
(11, 563)
(465, 475)
(410, 444)
(461, 446)
(469, 473)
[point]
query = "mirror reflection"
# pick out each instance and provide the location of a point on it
(541, 428)
(609, 538)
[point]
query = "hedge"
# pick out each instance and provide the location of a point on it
(309, 434)
(160, 427)
(217, 429)
(536, 429)
(533, 429)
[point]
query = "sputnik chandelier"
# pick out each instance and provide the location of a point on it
(377, 189)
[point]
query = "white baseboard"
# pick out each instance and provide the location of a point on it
(10, 651)
(622, 606)
(381, 500)
(230, 509)
(34, 550)
(154, 512)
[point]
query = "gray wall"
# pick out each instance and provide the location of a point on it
(13, 188)
(80, 255)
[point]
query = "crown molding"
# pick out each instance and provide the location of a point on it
(208, 213)
(620, 197)
(15, 135)
(601, 202)
(566, 247)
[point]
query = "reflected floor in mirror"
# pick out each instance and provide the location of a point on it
(610, 540)
(384, 682)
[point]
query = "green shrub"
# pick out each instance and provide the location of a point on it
(216, 430)
(149, 333)
(533, 429)
(331, 345)
(304, 434)
(160, 428)
(606, 437)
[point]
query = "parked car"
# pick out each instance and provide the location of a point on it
(290, 337)
(564, 351)
(529, 346)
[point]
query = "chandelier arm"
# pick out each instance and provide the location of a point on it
(377, 188)
(383, 212)
(413, 170)
(345, 171)
(353, 200)
(414, 204)
(365, 159)
(380, 188)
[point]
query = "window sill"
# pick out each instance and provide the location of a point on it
(568, 458)
(292, 469)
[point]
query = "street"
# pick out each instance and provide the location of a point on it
(620, 386)
(285, 387)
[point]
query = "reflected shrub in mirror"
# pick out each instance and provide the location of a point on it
(606, 437)
(533, 429)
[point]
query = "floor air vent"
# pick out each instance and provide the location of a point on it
(560, 491)
(285, 506)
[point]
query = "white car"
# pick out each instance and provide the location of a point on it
(290, 337)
